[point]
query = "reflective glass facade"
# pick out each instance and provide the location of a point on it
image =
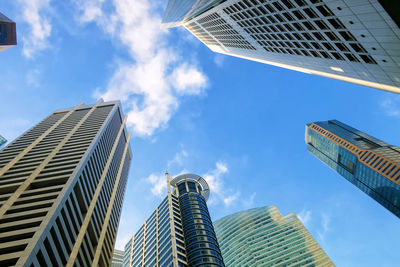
(353, 41)
(179, 232)
(2, 141)
(370, 164)
(263, 237)
(8, 33)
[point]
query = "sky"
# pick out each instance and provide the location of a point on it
(237, 123)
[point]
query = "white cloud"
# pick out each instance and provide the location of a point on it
(325, 224)
(231, 198)
(33, 13)
(155, 76)
(304, 216)
(178, 158)
(159, 184)
(391, 105)
(219, 192)
(33, 77)
(219, 59)
(249, 202)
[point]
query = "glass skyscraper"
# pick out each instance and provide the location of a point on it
(370, 164)
(353, 41)
(179, 232)
(61, 188)
(8, 33)
(263, 237)
(2, 141)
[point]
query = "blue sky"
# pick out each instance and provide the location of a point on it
(239, 124)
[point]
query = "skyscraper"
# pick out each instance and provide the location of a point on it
(263, 237)
(370, 164)
(179, 232)
(61, 188)
(2, 141)
(117, 259)
(354, 41)
(8, 33)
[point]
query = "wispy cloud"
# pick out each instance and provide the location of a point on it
(325, 226)
(34, 14)
(220, 192)
(158, 184)
(179, 158)
(155, 77)
(305, 216)
(391, 105)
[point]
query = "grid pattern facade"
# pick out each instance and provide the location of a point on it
(263, 237)
(117, 259)
(61, 188)
(153, 244)
(355, 41)
(200, 239)
(8, 33)
(178, 233)
(370, 164)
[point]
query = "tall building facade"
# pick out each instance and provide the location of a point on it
(263, 237)
(2, 141)
(61, 188)
(118, 258)
(354, 41)
(8, 33)
(179, 232)
(370, 164)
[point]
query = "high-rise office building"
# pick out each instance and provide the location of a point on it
(117, 259)
(179, 232)
(61, 188)
(370, 164)
(354, 41)
(8, 33)
(263, 237)
(2, 141)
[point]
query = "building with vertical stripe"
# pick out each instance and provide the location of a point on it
(179, 232)
(370, 164)
(8, 33)
(117, 259)
(355, 41)
(263, 237)
(61, 188)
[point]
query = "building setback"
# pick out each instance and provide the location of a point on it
(263, 237)
(370, 164)
(8, 33)
(179, 232)
(61, 188)
(354, 41)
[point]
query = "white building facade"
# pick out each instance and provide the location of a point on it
(356, 40)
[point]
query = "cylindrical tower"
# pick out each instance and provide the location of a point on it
(201, 243)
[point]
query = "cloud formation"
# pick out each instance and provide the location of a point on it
(304, 216)
(34, 14)
(391, 105)
(220, 192)
(152, 80)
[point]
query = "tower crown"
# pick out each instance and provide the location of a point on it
(189, 182)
